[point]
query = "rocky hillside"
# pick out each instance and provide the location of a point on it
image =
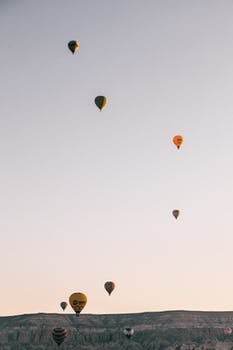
(180, 330)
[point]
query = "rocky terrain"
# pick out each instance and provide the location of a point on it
(170, 330)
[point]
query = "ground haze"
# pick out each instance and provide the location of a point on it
(180, 330)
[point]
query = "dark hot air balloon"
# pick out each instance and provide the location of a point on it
(109, 286)
(59, 334)
(63, 305)
(101, 102)
(128, 332)
(73, 46)
(176, 213)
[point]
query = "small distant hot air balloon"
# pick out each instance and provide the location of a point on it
(101, 102)
(77, 302)
(128, 332)
(73, 46)
(228, 330)
(59, 334)
(109, 286)
(178, 140)
(176, 213)
(63, 305)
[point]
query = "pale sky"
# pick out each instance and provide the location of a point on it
(87, 196)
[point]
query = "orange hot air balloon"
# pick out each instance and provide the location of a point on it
(109, 286)
(176, 213)
(178, 140)
(77, 302)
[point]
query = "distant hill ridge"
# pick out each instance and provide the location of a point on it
(166, 330)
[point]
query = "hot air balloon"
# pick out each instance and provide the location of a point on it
(77, 302)
(176, 213)
(109, 286)
(73, 46)
(101, 102)
(63, 305)
(178, 140)
(128, 332)
(59, 334)
(228, 330)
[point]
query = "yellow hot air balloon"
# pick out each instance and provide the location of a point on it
(77, 302)
(109, 286)
(178, 140)
(101, 102)
(73, 46)
(176, 213)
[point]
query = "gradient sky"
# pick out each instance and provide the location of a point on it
(87, 196)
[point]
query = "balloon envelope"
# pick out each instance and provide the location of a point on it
(128, 332)
(77, 302)
(59, 334)
(228, 330)
(101, 102)
(73, 46)
(178, 140)
(176, 213)
(63, 305)
(109, 286)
